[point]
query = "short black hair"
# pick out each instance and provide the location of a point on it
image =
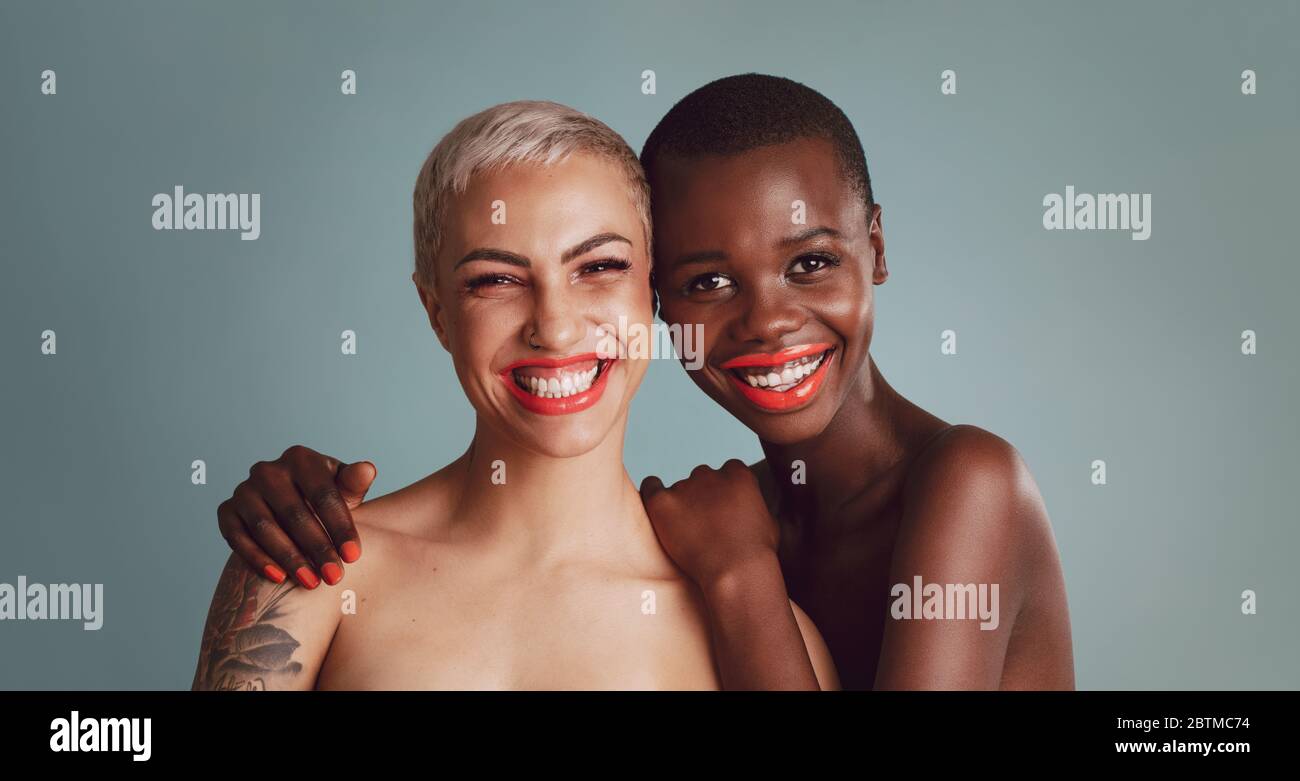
(739, 113)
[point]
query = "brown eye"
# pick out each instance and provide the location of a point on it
(706, 283)
(812, 263)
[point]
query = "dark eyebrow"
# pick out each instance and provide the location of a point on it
(707, 256)
(590, 244)
(502, 256)
(811, 233)
(499, 255)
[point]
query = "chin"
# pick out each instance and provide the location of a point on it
(789, 428)
(778, 428)
(559, 435)
(573, 442)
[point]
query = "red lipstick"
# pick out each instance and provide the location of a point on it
(572, 375)
(771, 400)
(776, 358)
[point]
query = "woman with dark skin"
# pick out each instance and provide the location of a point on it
(861, 492)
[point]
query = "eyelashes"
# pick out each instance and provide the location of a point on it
(484, 280)
(707, 283)
(605, 264)
(821, 257)
(806, 266)
(497, 279)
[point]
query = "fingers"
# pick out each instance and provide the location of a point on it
(651, 486)
(738, 470)
(315, 479)
(354, 481)
(232, 529)
(277, 489)
(258, 524)
(734, 465)
(700, 477)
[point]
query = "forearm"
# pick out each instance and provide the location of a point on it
(756, 638)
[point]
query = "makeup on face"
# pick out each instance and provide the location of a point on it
(786, 305)
(523, 301)
(558, 386)
(781, 381)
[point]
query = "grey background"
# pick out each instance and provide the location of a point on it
(180, 345)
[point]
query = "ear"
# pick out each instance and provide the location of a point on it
(876, 235)
(429, 299)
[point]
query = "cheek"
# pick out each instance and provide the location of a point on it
(712, 315)
(628, 309)
(477, 330)
(706, 324)
(850, 311)
(630, 299)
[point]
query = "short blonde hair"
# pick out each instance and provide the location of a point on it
(523, 131)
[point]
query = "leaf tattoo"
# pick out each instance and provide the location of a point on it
(241, 644)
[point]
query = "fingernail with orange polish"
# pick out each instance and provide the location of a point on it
(274, 573)
(332, 572)
(307, 577)
(350, 551)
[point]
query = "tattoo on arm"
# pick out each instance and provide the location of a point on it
(242, 646)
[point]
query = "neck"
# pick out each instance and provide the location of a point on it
(862, 440)
(545, 507)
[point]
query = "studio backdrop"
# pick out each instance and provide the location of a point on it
(1146, 371)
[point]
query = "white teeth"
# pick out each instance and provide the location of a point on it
(567, 384)
(784, 377)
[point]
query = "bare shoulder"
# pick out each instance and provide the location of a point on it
(421, 509)
(964, 446)
(966, 467)
(973, 510)
(973, 522)
(262, 635)
(410, 527)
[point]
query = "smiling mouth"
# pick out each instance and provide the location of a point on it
(559, 382)
(558, 386)
(781, 381)
(782, 377)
